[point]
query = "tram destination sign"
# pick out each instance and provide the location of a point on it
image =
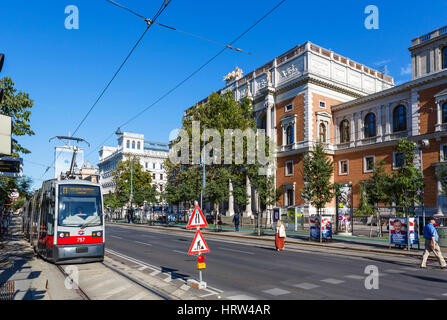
(11, 167)
(79, 191)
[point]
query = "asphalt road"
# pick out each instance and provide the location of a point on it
(256, 271)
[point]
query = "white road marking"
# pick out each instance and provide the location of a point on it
(332, 281)
(306, 286)
(146, 244)
(142, 268)
(394, 271)
(444, 294)
(155, 273)
(276, 292)
(207, 295)
(168, 279)
(355, 276)
(180, 252)
(185, 287)
(116, 237)
(234, 250)
(241, 297)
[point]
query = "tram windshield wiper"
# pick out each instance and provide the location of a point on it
(85, 225)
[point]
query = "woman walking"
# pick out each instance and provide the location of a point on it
(280, 236)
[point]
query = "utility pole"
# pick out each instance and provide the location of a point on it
(131, 191)
(203, 172)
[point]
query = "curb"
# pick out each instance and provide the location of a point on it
(409, 254)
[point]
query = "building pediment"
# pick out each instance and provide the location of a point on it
(323, 114)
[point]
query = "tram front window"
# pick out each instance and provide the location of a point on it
(79, 206)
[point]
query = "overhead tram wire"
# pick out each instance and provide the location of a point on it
(186, 32)
(192, 74)
(165, 3)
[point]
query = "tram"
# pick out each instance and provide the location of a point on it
(64, 221)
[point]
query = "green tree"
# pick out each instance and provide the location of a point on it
(22, 185)
(441, 175)
(317, 174)
(17, 105)
(375, 190)
(406, 181)
(142, 188)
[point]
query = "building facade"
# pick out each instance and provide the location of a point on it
(151, 154)
(310, 93)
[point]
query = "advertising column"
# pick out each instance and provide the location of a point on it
(344, 210)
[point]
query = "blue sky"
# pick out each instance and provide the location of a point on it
(65, 70)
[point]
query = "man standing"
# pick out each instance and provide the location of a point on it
(431, 244)
(236, 221)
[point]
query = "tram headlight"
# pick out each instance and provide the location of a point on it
(97, 234)
(64, 235)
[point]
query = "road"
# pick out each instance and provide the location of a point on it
(244, 271)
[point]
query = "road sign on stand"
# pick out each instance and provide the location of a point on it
(199, 245)
(197, 219)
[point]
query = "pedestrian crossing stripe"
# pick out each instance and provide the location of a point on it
(197, 219)
(198, 245)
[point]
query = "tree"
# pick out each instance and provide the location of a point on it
(441, 175)
(317, 174)
(17, 105)
(406, 182)
(375, 189)
(22, 185)
(141, 182)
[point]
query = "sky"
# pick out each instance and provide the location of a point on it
(64, 71)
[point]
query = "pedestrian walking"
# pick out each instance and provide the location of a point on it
(431, 244)
(280, 236)
(236, 219)
(4, 224)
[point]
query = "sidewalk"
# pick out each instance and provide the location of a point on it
(377, 245)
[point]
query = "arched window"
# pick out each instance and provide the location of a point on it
(290, 134)
(138, 145)
(128, 144)
(322, 132)
(444, 58)
(344, 131)
(399, 119)
(444, 113)
(370, 125)
(133, 144)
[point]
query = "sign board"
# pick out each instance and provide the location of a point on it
(404, 231)
(14, 195)
(5, 135)
(344, 210)
(198, 245)
(320, 224)
(197, 219)
(10, 167)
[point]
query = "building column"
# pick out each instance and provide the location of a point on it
(379, 123)
(438, 116)
(230, 211)
(352, 129)
(248, 212)
(388, 121)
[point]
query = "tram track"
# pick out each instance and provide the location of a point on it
(74, 285)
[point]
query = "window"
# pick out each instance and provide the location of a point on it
(444, 58)
(322, 132)
(322, 104)
(153, 166)
(398, 160)
(343, 167)
(370, 125)
(133, 144)
(289, 108)
(128, 144)
(444, 113)
(290, 135)
(161, 188)
(138, 145)
(443, 153)
(289, 168)
(161, 166)
(290, 200)
(344, 131)
(161, 177)
(399, 119)
(368, 164)
(153, 176)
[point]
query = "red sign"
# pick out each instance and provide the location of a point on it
(14, 195)
(197, 219)
(198, 245)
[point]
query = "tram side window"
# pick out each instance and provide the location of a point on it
(47, 222)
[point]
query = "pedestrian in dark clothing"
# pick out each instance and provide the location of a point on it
(236, 219)
(431, 244)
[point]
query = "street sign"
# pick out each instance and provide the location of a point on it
(10, 167)
(5, 135)
(198, 245)
(197, 219)
(14, 195)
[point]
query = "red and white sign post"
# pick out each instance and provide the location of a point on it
(198, 245)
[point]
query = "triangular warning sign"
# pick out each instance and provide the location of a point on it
(197, 219)
(198, 245)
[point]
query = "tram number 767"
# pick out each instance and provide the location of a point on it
(80, 240)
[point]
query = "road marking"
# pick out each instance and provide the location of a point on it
(185, 287)
(394, 271)
(332, 281)
(116, 237)
(234, 250)
(155, 273)
(182, 252)
(207, 295)
(136, 261)
(306, 286)
(276, 292)
(168, 279)
(241, 297)
(355, 277)
(146, 244)
(142, 268)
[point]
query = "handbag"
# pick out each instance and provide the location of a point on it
(282, 232)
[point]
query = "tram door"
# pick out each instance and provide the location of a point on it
(46, 232)
(35, 214)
